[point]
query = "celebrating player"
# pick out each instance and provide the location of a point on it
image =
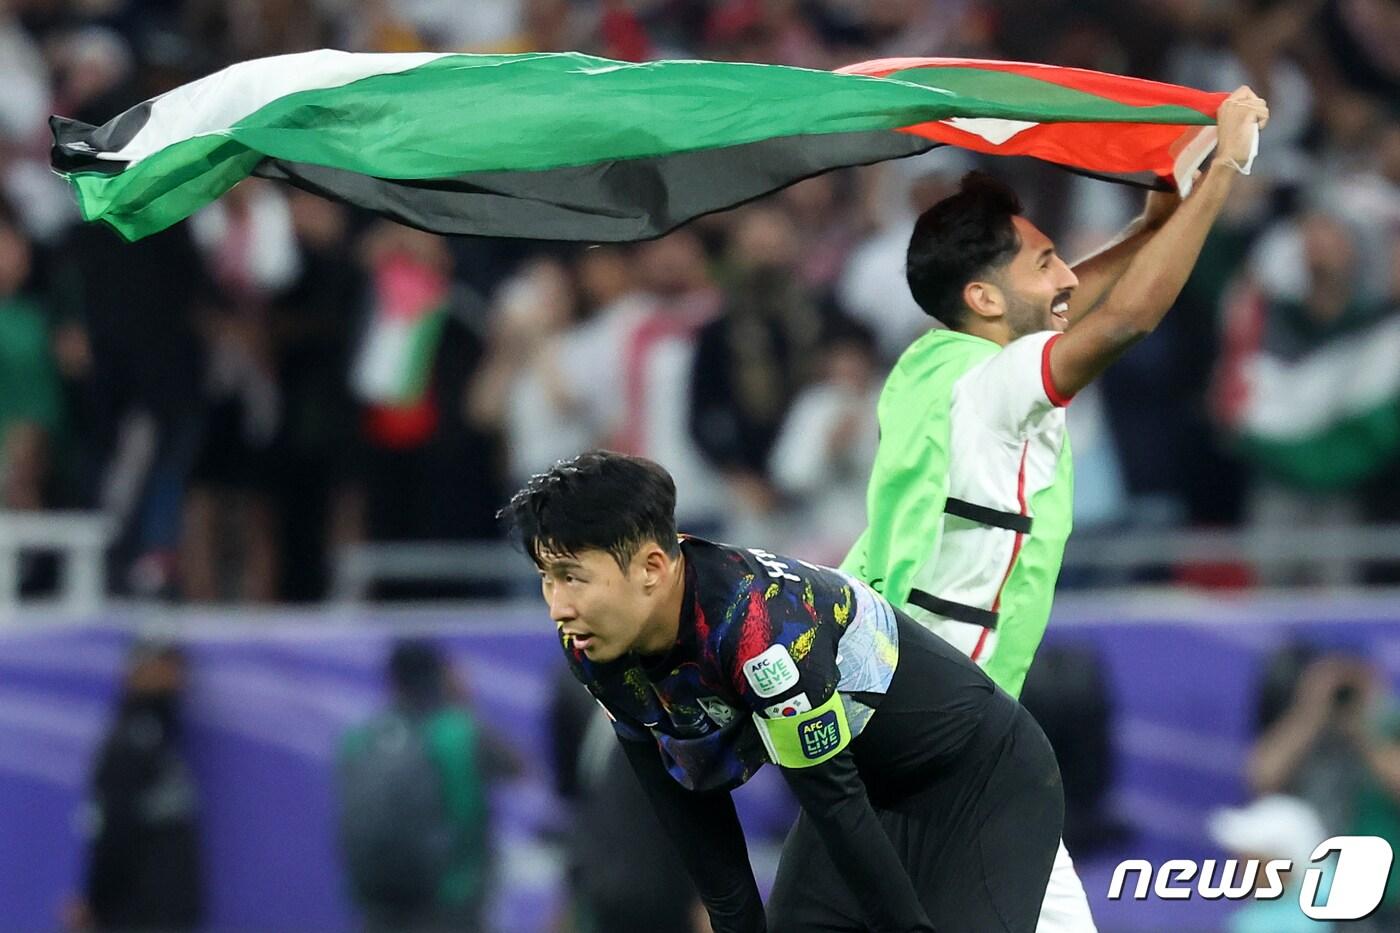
(969, 501)
(930, 799)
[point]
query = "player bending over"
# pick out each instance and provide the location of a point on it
(930, 799)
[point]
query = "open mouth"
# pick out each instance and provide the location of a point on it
(1060, 309)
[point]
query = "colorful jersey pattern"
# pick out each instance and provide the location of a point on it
(760, 634)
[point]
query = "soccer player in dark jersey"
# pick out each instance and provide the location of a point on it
(930, 799)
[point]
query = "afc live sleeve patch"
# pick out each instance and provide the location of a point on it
(771, 672)
(808, 738)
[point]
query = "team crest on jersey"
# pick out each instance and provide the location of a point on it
(771, 672)
(718, 710)
(787, 708)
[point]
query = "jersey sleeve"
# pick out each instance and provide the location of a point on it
(1014, 387)
(834, 798)
(706, 831)
(786, 669)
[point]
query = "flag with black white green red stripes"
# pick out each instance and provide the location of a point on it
(573, 147)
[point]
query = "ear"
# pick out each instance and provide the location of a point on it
(984, 299)
(654, 564)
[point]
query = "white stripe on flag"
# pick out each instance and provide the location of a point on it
(216, 102)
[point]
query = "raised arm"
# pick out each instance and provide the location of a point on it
(1100, 270)
(1154, 277)
(705, 829)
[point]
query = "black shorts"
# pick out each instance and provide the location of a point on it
(978, 836)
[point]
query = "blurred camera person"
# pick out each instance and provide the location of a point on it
(1330, 735)
(412, 792)
(142, 813)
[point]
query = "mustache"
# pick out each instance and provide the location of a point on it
(1062, 296)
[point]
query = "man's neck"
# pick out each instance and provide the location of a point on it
(664, 625)
(994, 332)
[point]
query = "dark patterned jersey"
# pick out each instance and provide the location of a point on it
(764, 640)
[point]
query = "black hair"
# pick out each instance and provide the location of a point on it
(417, 672)
(603, 500)
(964, 236)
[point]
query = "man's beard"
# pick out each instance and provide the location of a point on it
(1026, 317)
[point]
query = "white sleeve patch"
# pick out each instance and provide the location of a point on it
(771, 672)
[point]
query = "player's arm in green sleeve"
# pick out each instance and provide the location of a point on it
(705, 829)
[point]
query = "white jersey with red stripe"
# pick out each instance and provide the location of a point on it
(1007, 430)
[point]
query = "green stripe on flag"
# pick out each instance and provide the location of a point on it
(462, 114)
(1042, 101)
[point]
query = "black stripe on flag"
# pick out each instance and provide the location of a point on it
(75, 143)
(619, 201)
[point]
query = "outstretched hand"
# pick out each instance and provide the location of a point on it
(1239, 114)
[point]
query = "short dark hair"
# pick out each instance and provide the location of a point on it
(417, 672)
(603, 500)
(958, 239)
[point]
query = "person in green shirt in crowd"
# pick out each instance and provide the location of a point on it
(969, 501)
(30, 400)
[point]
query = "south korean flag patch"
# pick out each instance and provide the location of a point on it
(789, 708)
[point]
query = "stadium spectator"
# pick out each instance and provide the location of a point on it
(655, 352)
(31, 413)
(134, 364)
(1329, 734)
(824, 451)
(1312, 335)
(429, 475)
(519, 390)
(250, 247)
(753, 359)
(313, 323)
(872, 288)
(414, 817)
(142, 817)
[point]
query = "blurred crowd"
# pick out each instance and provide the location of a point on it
(226, 391)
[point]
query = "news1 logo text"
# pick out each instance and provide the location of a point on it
(1357, 882)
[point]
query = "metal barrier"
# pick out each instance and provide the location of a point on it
(80, 538)
(360, 566)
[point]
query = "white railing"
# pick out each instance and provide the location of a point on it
(79, 538)
(359, 567)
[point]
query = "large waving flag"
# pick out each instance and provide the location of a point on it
(569, 146)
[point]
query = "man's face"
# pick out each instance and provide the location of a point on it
(1037, 284)
(597, 608)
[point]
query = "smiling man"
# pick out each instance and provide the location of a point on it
(930, 799)
(970, 496)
